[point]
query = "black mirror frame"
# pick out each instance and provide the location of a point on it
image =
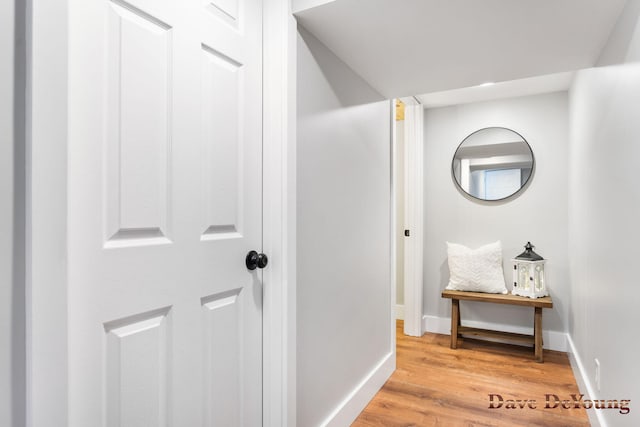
(512, 195)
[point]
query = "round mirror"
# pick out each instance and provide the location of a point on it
(492, 163)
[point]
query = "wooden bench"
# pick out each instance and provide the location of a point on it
(537, 303)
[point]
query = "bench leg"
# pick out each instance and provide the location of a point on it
(537, 332)
(455, 322)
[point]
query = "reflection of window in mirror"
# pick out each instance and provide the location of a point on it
(501, 183)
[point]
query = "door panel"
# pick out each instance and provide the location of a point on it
(226, 10)
(165, 200)
(221, 91)
(137, 370)
(221, 319)
(138, 145)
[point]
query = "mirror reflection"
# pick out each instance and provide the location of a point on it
(493, 163)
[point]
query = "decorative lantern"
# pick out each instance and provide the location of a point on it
(528, 274)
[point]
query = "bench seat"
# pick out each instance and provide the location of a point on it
(537, 303)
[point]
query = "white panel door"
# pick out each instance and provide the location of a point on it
(165, 201)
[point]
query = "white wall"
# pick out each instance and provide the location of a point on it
(12, 356)
(604, 211)
(539, 214)
(344, 334)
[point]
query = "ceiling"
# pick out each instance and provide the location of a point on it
(510, 89)
(412, 47)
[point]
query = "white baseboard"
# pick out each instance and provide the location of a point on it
(349, 409)
(584, 383)
(399, 311)
(553, 340)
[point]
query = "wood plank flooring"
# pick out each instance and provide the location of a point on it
(434, 385)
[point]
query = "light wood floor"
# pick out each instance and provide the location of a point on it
(436, 386)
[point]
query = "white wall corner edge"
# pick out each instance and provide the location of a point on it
(596, 418)
(349, 409)
(553, 340)
(298, 6)
(398, 312)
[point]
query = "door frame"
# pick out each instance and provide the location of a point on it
(413, 216)
(46, 213)
(279, 214)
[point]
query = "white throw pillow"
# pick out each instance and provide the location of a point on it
(476, 270)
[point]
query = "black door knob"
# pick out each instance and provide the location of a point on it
(255, 260)
(262, 260)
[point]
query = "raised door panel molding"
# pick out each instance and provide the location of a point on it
(222, 355)
(222, 87)
(138, 146)
(226, 10)
(137, 369)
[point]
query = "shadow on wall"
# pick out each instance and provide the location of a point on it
(623, 38)
(18, 297)
(346, 85)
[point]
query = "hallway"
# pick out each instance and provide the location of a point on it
(434, 385)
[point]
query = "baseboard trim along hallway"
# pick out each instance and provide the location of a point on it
(479, 383)
(349, 409)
